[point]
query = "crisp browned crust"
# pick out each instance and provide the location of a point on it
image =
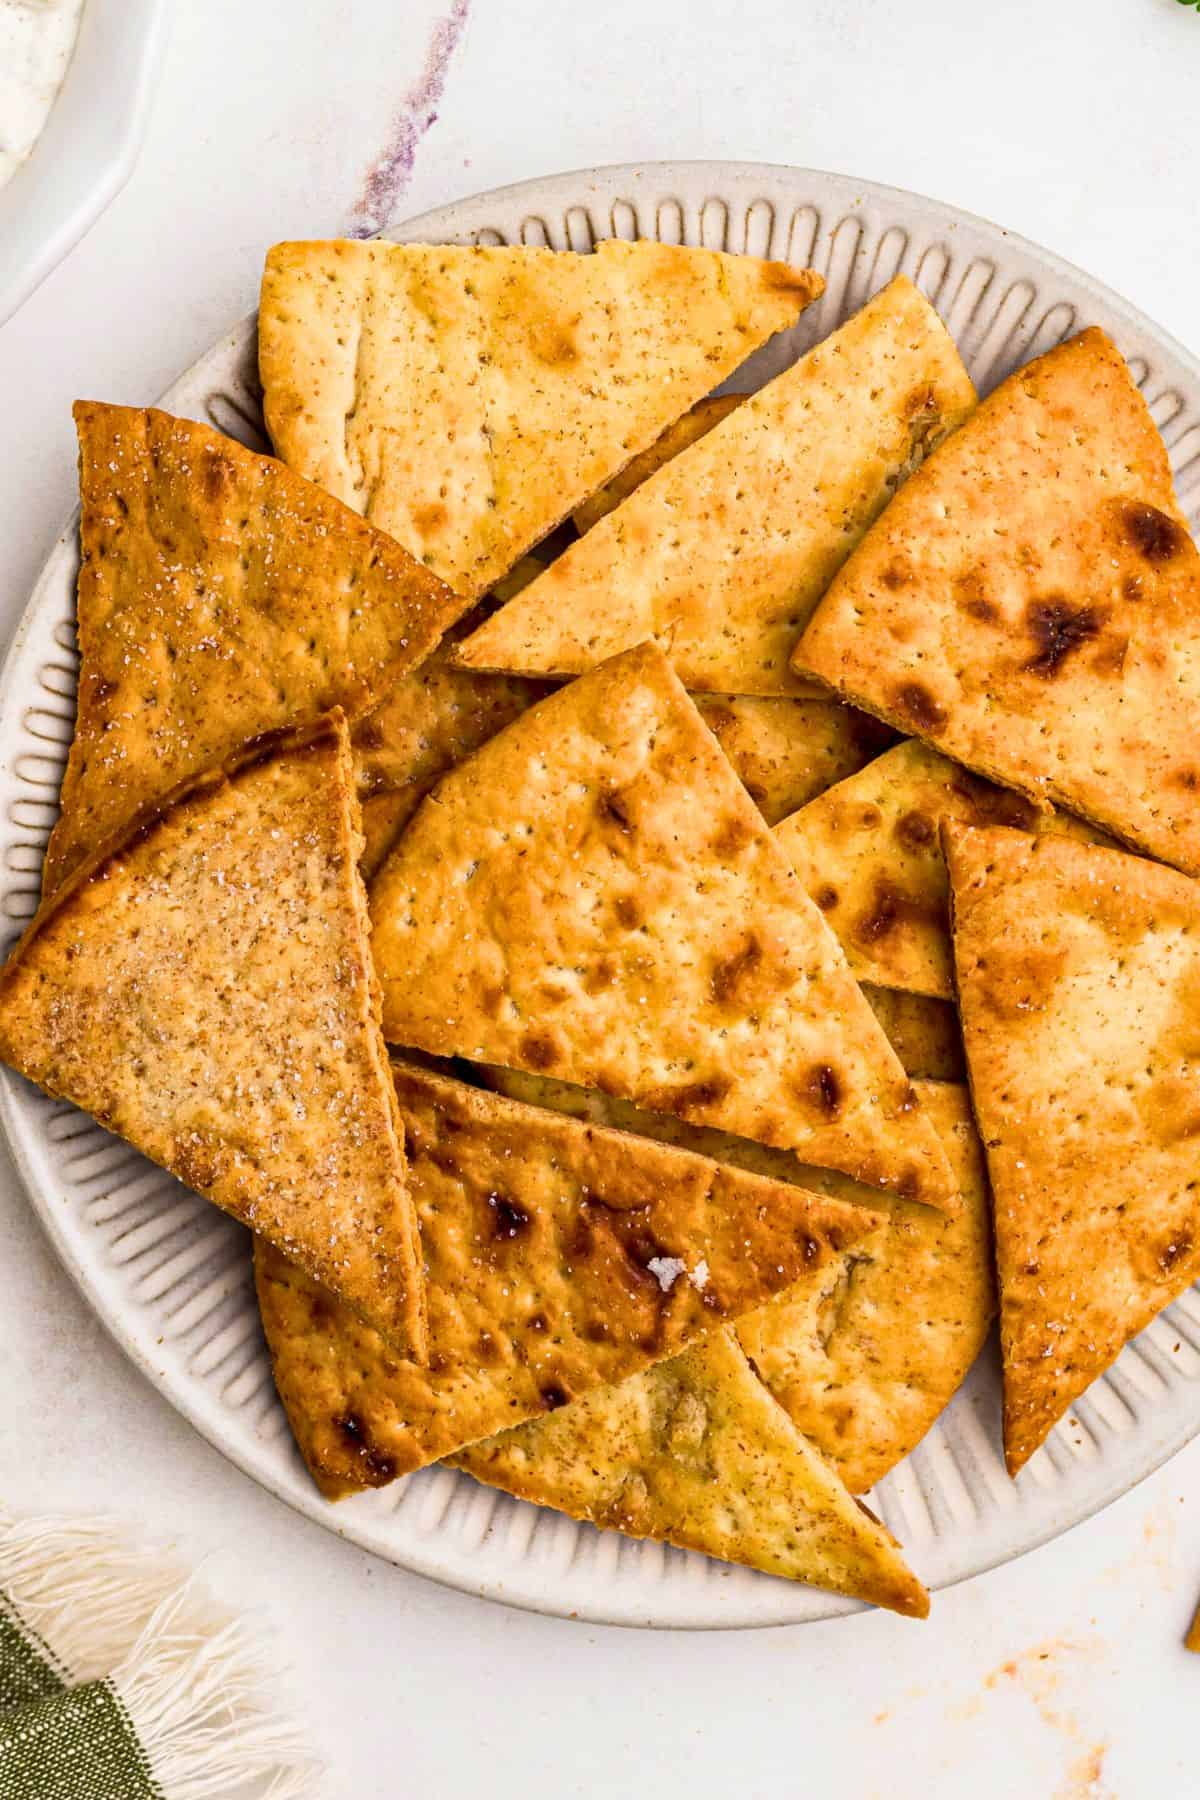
(204, 987)
(467, 399)
(593, 895)
(722, 554)
(1030, 603)
(1079, 977)
(220, 596)
(558, 1256)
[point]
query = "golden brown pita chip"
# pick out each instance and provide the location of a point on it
(1079, 980)
(864, 1359)
(1030, 602)
(205, 989)
(686, 430)
(1192, 1640)
(696, 1453)
(467, 399)
(220, 597)
(723, 554)
(867, 851)
(593, 895)
(558, 1256)
(924, 1033)
(786, 752)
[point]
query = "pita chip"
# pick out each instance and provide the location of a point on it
(693, 425)
(1192, 1640)
(696, 1453)
(467, 399)
(1030, 603)
(1079, 981)
(205, 989)
(593, 895)
(559, 1256)
(723, 554)
(868, 853)
(865, 1357)
(786, 752)
(220, 597)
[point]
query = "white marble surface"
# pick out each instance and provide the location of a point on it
(1057, 1678)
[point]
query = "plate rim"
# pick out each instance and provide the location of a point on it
(421, 1557)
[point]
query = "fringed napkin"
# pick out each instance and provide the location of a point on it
(121, 1680)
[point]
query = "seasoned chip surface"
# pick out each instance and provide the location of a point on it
(722, 554)
(205, 990)
(1030, 603)
(466, 399)
(1079, 980)
(220, 597)
(786, 752)
(868, 853)
(696, 1453)
(865, 1358)
(593, 895)
(558, 1256)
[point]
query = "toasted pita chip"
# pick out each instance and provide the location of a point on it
(723, 554)
(467, 399)
(696, 1453)
(864, 1360)
(924, 1033)
(1030, 602)
(220, 597)
(1192, 1640)
(205, 989)
(558, 1257)
(1079, 980)
(686, 430)
(868, 853)
(786, 752)
(593, 895)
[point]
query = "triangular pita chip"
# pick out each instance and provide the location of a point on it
(723, 554)
(867, 851)
(593, 895)
(558, 1257)
(220, 597)
(467, 399)
(864, 1359)
(205, 989)
(686, 430)
(695, 1452)
(786, 752)
(1030, 602)
(1079, 980)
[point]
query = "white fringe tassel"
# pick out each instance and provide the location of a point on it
(196, 1683)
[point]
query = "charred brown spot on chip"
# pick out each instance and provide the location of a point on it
(895, 576)
(1154, 534)
(601, 975)
(379, 1466)
(614, 810)
(1133, 587)
(1059, 629)
(217, 476)
(430, 519)
(538, 1050)
(728, 974)
(916, 830)
(369, 735)
(690, 1097)
(826, 898)
(554, 1396)
(509, 1219)
(822, 1087)
(1176, 1248)
(628, 912)
(890, 908)
(732, 838)
(1188, 779)
(915, 702)
(985, 804)
(102, 691)
(971, 594)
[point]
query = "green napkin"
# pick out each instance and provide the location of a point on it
(119, 1679)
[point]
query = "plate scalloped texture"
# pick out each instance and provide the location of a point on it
(169, 1275)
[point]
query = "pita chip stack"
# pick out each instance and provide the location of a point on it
(559, 1257)
(722, 555)
(593, 895)
(220, 597)
(1078, 972)
(696, 1453)
(468, 399)
(1030, 603)
(868, 852)
(864, 1358)
(204, 988)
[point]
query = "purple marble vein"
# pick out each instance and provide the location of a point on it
(387, 179)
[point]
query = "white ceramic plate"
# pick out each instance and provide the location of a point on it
(169, 1275)
(87, 150)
